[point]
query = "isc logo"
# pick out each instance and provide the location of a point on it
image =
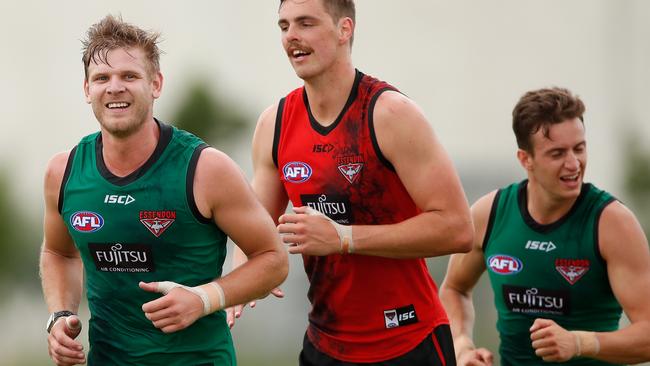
(117, 199)
(86, 221)
(504, 264)
(406, 316)
(296, 172)
(544, 246)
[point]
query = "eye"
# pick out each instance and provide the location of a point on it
(130, 77)
(101, 78)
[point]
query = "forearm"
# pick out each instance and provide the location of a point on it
(428, 234)
(460, 311)
(254, 278)
(62, 281)
(627, 346)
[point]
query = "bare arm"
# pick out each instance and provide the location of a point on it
(463, 272)
(443, 227)
(60, 267)
(237, 212)
(624, 247)
(240, 215)
(60, 264)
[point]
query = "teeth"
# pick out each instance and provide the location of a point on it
(299, 53)
(118, 105)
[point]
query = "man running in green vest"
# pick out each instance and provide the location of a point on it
(142, 211)
(563, 256)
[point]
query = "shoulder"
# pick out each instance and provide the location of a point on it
(619, 226)
(267, 118)
(54, 172)
(392, 105)
(481, 210)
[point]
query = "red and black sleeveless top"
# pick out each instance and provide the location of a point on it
(364, 308)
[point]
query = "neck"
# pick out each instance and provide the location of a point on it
(124, 155)
(544, 207)
(329, 91)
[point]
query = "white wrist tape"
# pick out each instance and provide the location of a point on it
(344, 231)
(586, 342)
(165, 287)
(222, 296)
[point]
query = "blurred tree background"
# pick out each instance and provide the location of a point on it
(636, 179)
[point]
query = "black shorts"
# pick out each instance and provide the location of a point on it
(437, 349)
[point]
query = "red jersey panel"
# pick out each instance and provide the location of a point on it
(364, 308)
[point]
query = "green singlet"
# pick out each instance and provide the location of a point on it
(552, 271)
(144, 227)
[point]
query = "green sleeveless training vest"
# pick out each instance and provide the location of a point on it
(143, 227)
(552, 271)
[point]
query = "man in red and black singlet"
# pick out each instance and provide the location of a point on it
(373, 191)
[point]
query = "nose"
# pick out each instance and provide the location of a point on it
(290, 34)
(115, 86)
(572, 162)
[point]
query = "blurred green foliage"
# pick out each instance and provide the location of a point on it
(19, 243)
(636, 179)
(211, 118)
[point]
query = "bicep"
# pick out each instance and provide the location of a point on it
(234, 207)
(625, 250)
(56, 237)
(408, 141)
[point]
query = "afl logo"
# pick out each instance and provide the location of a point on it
(504, 264)
(86, 221)
(296, 172)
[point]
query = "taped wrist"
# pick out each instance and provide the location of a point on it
(587, 343)
(344, 232)
(209, 294)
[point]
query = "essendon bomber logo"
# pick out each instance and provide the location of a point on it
(86, 221)
(572, 269)
(157, 221)
(296, 172)
(350, 166)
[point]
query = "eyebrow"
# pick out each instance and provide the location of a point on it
(297, 19)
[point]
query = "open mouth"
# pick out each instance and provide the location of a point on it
(299, 54)
(570, 178)
(117, 105)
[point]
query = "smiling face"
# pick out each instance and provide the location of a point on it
(557, 162)
(313, 41)
(122, 90)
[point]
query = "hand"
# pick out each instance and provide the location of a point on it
(475, 357)
(235, 312)
(551, 342)
(174, 311)
(62, 347)
(308, 234)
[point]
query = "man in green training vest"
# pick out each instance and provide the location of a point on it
(563, 256)
(142, 212)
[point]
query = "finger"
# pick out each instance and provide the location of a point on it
(289, 218)
(230, 317)
(540, 323)
(73, 325)
(68, 361)
(60, 338)
(300, 210)
(149, 287)
(69, 349)
(546, 352)
(287, 228)
(156, 305)
(541, 333)
(252, 304)
(277, 292)
(296, 249)
(239, 309)
(290, 239)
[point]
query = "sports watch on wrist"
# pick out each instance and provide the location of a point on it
(56, 315)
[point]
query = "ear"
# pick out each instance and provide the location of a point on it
(87, 91)
(157, 84)
(346, 29)
(525, 159)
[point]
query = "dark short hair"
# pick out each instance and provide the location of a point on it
(111, 33)
(539, 109)
(338, 9)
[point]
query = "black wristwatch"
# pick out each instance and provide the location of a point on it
(56, 315)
